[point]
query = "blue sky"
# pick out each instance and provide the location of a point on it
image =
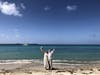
(50, 21)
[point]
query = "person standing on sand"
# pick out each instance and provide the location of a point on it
(48, 58)
(50, 54)
(45, 59)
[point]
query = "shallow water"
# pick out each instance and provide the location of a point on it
(62, 52)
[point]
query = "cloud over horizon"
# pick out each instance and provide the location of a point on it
(47, 8)
(10, 8)
(71, 7)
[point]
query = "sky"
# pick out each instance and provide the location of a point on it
(50, 21)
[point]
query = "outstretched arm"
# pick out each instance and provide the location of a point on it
(52, 51)
(41, 48)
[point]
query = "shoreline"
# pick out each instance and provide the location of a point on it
(41, 61)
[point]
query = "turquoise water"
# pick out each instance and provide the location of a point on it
(64, 52)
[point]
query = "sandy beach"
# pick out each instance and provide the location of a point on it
(30, 67)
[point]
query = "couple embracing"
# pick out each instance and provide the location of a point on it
(47, 58)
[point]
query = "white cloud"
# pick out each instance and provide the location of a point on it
(71, 7)
(22, 6)
(10, 8)
(47, 8)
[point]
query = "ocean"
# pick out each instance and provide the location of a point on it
(62, 52)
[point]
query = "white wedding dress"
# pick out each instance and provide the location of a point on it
(45, 60)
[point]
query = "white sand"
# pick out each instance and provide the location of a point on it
(25, 67)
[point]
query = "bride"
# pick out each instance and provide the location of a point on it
(45, 60)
